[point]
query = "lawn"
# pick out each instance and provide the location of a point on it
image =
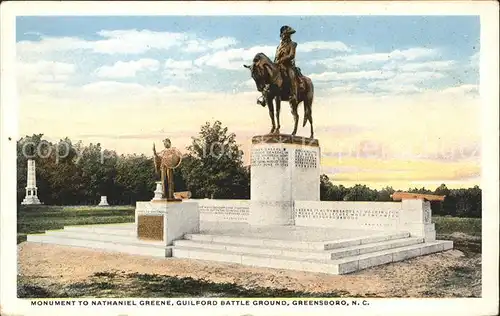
(450, 225)
(38, 219)
(465, 232)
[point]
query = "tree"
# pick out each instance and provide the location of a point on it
(360, 193)
(325, 187)
(73, 174)
(213, 167)
(448, 206)
(135, 179)
(385, 194)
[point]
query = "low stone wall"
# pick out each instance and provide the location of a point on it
(352, 215)
(413, 216)
(223, 210)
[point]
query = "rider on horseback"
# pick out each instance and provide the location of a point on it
(285, 58)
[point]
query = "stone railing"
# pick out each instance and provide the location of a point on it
(413, 216)
(223, 210)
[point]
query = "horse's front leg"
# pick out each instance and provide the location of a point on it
(278, 108)
(270, 106)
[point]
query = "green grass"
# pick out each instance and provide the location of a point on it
(38, 219)
(449, 225)
(465, 232)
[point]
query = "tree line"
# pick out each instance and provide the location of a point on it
(458, 202)
(71, 173)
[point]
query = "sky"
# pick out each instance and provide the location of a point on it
(396, 97)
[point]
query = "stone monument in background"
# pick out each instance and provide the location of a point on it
(104, 201)
(31, 197)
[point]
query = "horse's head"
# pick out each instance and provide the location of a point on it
(260, 70)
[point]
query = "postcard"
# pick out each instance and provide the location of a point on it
(249, 158)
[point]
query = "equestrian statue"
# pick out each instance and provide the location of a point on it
(282, 80)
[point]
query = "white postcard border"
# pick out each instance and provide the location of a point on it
(489, 85)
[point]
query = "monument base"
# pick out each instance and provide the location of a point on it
(31, 200)
(166, 221)
(284, 169)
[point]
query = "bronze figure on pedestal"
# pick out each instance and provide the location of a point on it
(165, 162)
(282, 80)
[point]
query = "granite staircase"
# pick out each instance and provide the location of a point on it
(332, 257)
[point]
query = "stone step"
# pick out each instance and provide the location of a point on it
(109, 245)
(338, 266)
(300, 253)
(95, 236)
(364, 261)
(128, 229)
(295, 244)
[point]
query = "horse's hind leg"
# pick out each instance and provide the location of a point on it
(270, 106)
(308, 115)
(278, 108)
(294, 106)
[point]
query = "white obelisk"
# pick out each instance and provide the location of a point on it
(31, 189)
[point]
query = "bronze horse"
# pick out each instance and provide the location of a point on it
(270, 81)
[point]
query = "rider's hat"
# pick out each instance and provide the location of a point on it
(285, 29)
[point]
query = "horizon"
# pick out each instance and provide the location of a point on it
(396, 102)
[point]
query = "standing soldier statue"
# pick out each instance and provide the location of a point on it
(285, 58)
(165, 162)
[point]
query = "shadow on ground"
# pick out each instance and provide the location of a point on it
(119, 284)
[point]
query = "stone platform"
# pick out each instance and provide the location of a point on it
(314, 249)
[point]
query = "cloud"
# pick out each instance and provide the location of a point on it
(130, 41)
(418, 77)
(43, 77)
(199, 45)
(356, 60)
(356, 75)
(436, 65)
(462, 89)
(128, 69)
(180, 69)
(406, 81)
(222, 42)
(474, 60)
(45, 71)
(322, 45)
(234, 58)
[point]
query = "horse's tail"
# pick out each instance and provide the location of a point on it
(308, 101)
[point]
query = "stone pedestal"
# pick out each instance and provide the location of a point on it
(416, 218)
(283, 169)
(166, 221)
(104, 201)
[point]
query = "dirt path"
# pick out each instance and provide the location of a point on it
(447, 274)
